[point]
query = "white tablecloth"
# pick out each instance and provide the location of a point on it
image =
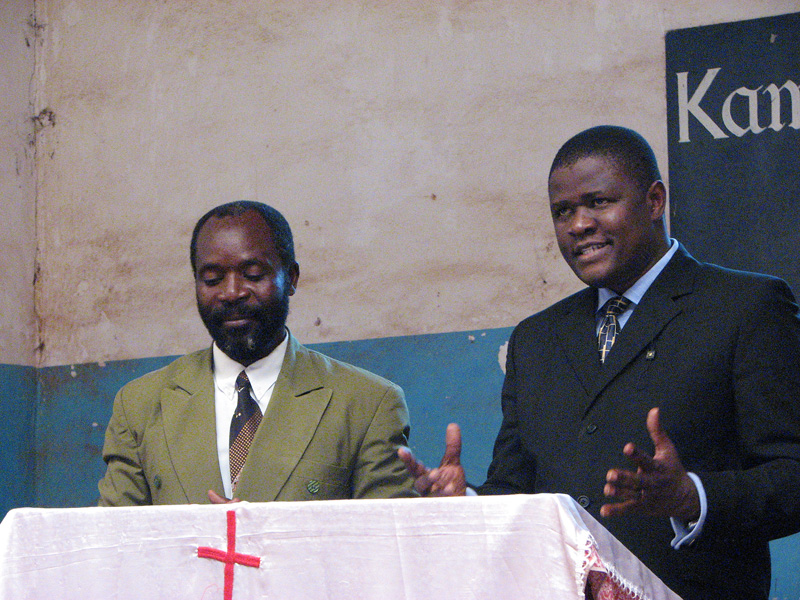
(501, 547)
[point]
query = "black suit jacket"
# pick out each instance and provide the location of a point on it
(719, 352)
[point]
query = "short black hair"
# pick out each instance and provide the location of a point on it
(279, 226)
(625, 147)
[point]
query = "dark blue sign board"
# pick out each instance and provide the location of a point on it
(733, 116)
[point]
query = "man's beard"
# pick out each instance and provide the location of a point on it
(248, 344)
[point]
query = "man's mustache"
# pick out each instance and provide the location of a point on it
(232, 313)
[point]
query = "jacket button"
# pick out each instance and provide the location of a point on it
(590, 429)
(312, 486)
(157, 482)
(584, 501)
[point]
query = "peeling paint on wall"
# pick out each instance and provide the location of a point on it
(17, 187)
(407, 144)
(502, 354)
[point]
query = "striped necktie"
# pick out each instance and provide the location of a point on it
(610, 326)
(243, 426)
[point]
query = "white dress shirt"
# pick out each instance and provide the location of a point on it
(262, 374)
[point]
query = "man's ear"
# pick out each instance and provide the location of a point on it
(657, 199)
(294, 277)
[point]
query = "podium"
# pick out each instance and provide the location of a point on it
(534, 547)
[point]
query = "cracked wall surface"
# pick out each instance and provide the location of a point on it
(17, 185)
(407, 143)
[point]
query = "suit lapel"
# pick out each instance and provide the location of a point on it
(644, 325)
(575, 334)
(650, 317)
(297, 404)
(188, 414)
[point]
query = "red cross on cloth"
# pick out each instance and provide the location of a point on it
(231, 557)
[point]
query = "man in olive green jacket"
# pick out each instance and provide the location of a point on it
(329, 430)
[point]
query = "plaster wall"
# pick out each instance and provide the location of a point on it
(18, 252)
(17, 185)
(407, 143)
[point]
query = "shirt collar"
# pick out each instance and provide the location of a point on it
(637, 290)
(262, 374)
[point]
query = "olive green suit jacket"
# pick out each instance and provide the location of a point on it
(330, 431)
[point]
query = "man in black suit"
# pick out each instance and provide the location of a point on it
(694, 376)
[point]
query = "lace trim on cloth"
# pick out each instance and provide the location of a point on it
(604, 582)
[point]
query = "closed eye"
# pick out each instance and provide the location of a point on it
(210, 278)
(255, 271)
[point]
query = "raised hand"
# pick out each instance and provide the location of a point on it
(446, 480)
(660, 485)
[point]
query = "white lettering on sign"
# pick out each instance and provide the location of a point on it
(690, 105)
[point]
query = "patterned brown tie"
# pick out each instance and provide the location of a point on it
(610, 326)
(243, 426)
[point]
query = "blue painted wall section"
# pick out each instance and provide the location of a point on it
(17, 427)
(785, 568)
(447, 377)
(73, 412)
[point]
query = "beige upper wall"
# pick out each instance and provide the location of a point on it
(407, 143)
(17, 236)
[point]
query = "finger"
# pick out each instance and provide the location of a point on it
(423, 485)
(440, 477)
(415, 467)
(641, 459)
(665, 450)
(622, 493)
(451, 489)
(436, 486)
(622, 480)
(658, 435)
(452, 451)
(619, 508)
(442, 491)
(441, 482)
(215, 498)
(420, 473)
